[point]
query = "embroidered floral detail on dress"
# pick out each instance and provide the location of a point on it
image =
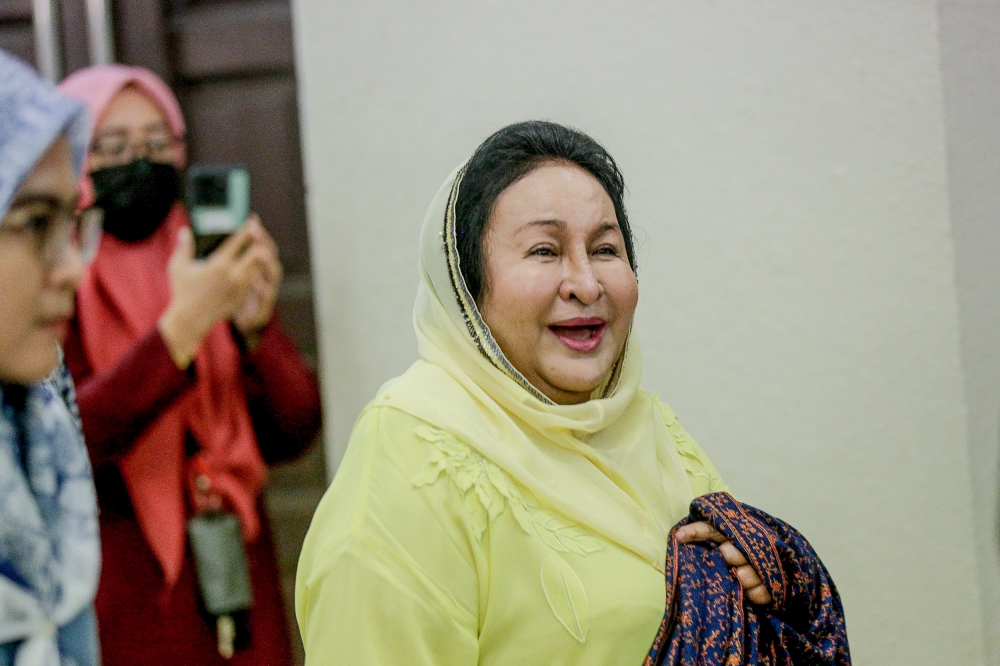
(677, 431)
(566, 596)
(487, 490)
(686, 446)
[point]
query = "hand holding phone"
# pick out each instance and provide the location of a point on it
(204, 292)
(218, 202)
(258, 308)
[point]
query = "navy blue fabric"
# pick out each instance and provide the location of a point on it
(708, 621)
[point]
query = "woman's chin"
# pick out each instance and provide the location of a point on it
(32, 366)
(576, 384)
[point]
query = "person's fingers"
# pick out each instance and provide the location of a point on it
(753, 586)
(256, 229)
(248, 267)
(251, 303)
(731, 554)
(700, 531)
(259, 231)
(184, 250)
(261, 282)
(273, 278)
(758, 595)
(271, 266)
(234, 246)
(747, 576)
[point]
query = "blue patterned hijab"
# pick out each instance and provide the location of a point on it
(49, 546)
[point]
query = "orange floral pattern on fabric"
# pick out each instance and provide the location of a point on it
(707, 621)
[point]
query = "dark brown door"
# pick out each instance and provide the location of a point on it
(231, 63)
(16, 33)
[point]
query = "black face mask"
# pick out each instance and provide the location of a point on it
(136, 197)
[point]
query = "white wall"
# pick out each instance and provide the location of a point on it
(970, 63)
(788, 171)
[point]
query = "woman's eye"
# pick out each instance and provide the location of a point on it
(39, 223)
(543, 251)
(607, 250)
(110, 146)
(158, 144)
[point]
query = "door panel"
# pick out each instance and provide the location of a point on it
(16, 32)
(222, 114)
(214, 40)
(140, 28)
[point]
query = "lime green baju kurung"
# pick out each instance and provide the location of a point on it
(473, 521)
(403, 564)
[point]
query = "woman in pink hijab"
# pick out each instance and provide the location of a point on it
(187, 389)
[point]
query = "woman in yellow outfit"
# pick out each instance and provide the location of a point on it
(508, 499)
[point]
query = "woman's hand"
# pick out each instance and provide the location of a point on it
(753, 586)
(206, 292)
(258, 306)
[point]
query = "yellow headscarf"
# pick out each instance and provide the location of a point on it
(609, 464)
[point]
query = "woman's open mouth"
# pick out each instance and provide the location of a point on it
(582, 334)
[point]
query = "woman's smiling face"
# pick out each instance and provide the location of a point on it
(559, 291)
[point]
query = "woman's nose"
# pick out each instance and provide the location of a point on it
(67, 273)
(579, 280)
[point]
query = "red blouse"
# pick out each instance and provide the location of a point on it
(117, 405)
(140, 621)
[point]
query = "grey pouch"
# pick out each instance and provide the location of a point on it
(223, 576)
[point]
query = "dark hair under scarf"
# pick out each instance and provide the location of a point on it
(511, 154)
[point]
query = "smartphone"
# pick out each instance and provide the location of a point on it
(218, 202)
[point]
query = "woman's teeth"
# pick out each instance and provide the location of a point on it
(577, 332)
(579, 338)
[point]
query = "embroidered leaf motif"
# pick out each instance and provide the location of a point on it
(564, 536)
(477, 514)
(484, 487)
(432, 469)
(685, 445)
(566, 596)
(487, 490)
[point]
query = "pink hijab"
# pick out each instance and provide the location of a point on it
(123, 294)
(97, 86)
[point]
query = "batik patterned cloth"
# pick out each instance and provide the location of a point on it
(49, 551)
(709, 622)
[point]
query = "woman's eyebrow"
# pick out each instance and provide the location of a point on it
(34, 199)
(158, 125)
(155, 126)
(43, 198)
(121, 131)
(560, 225)
(605, 228)
(547, 223)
